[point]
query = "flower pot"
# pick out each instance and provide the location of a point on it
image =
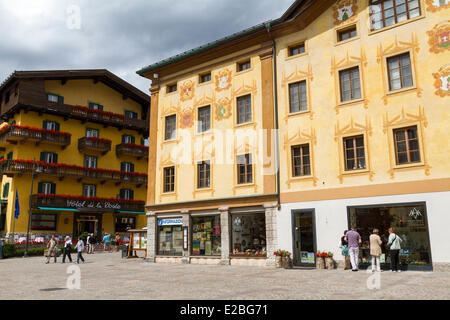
(329, 263)
(286, 262)
(278, 261)
(320, 263)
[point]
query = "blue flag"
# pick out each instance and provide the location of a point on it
(17, 211)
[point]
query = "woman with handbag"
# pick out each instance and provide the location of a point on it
(344, 249)
(51, 246)
(375, 250)
(393, 244)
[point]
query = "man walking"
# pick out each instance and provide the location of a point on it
(80, 248)
(354, 239)
(91, 244)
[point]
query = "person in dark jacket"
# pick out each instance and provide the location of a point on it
(67, 249)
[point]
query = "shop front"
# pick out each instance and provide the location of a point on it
(304, 238)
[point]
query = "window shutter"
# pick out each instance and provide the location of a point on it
(124, 138)
(43, 156)
(56, 126)
(122, 166)
(131, 194)
(91, 105)
(122, 193)
(10, 155)
(53, 188)
(40, 187)
(100, 107)
(45, 124)
(133, 140)
(6, 190)
(131, 167)
(60, 100)
(55, 158)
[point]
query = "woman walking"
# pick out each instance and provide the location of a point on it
(344, 247)
(67, 249)
(51, 246)
(375, 250)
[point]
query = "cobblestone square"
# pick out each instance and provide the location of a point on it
(108, 276)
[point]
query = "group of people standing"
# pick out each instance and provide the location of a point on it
(351, 241)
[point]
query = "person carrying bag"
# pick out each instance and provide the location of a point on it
(394, 245)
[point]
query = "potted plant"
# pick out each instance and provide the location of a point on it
(320, 259)
(283, 259)
(329, 261)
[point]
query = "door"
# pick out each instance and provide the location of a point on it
(304, 238)
(87, 224)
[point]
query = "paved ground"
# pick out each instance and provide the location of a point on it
(107, 276)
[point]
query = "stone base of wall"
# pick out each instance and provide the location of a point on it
(205, 261)
(248, 262)
(441, 266)
(169, 260)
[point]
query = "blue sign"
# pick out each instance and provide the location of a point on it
(170, 222)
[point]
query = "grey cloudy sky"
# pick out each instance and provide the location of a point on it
(120, 35)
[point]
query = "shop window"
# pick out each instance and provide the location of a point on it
(204, 119)
(399, 72)
(406, 145)
(95, 106)
(203, 174)
(206, 77)
(206, 236)
(169, 179)
(90, 161)
(347, 33)
(244, 109)
(244, 168)
(170, 238)
(47, 187)
(55, 98)
(90, 132)
(354, 153)
(51, 125)
(171, 127)
(297, 49)
(43, 222)
(249, 234)
(171, 88)
(89, 190)
(410, 224)
(350, 84)
(131, 114)
(385, 13)
(126, 138)
(243, 66)
(123, 223)
(298, 97)
(49, 157)
(301, 163)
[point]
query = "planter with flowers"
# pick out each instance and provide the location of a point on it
(283, 259)
(329, 261)
(320, 259)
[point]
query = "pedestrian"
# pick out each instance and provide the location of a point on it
(51, 246)
(375, 250)
(88, 244)
(67, 249)
(80, 248)
(354, 239)
(107, 242)
(91, 244)
(117, 241)
(344, 247)
(393, 244)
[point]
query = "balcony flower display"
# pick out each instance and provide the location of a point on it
(106, 113)
(34, 129)
(133, 145)
(98, 139)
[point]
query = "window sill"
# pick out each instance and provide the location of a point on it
(354, 172)
(172, 193)
(243, 185)
(338, 43)
(245, 124)
(409, 165)
(298, 113)
(397, 25)
(206, 133)
(238, 73)
(299, 178)
(209, 189)
(205, 83)
(171, 93)
(393, 92)
(170, 141)
(354, 101)
(296, 56)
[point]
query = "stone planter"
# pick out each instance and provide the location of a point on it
(286, 262)
(278, 261)
(320, 263)
(329, 263)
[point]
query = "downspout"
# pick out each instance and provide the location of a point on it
(274, 48)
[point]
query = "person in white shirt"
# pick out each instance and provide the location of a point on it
(80, 249)
(67, 249)
(87, 242)
(393, 244)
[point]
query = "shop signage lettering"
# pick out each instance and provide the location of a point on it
(92, 204)
(167, 222)
(415, 213)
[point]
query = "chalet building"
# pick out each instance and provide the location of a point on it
(72, 154)
(351, 97)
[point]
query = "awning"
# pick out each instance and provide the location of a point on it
(56, 209)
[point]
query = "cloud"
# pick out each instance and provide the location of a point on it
(120, 35)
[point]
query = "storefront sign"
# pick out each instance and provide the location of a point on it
(92, 204)
(415, 213)
(170, 222)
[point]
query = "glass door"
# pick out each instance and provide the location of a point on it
(304, 238)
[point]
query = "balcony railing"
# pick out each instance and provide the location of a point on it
(14, 133)
(94, 144)
(81, 202)
(66, 170)
(131, 149)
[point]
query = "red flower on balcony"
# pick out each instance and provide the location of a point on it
(34, 129)
(107, 113)
(133, 145)
(98, 139)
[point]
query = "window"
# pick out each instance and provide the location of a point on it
(55, 98)
(123, 223)
(126, 194)
(204, 119)
(9, 156)
(406, 145)
(243, 66)
(244, 111)
(206, 240)
(203, 174)
(51, 125)
(399, 72)
(354, 154)
(90, 161)
(347, 33)
(47, 187)
(205, 77)
(6, 190)
(298, 97)
(131, 114)
(95, 106)
(297, 49)
(127, 167)
(385, 13)
(128, 139)
(89, 190)
(349, 84)
(49, 157)
(171, 88)
(249, 234)
(171, 127)
(244, 169)
(301, 165)
(90, 132)
(170, 236)
(169, 179)
(43, 221)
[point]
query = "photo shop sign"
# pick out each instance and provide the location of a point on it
(92, 204)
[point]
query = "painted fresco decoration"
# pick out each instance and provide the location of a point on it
(439, 37)
(442, 81)
(223, 80)
(223, 109)
(186, 118)
(345, 10)
(436, 5)
(187, 90)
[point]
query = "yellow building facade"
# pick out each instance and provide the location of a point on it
(355, 95)
(85, 129)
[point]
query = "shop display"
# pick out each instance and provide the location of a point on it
(249, 234)
(206, 239)
(170, 240)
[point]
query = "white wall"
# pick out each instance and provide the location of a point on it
(331, 221)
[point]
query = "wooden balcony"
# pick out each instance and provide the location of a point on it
(129, 149)
(86, 204)
(14, 134)
(61, 170)
(92, 144)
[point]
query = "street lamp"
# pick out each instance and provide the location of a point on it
(25, 255)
